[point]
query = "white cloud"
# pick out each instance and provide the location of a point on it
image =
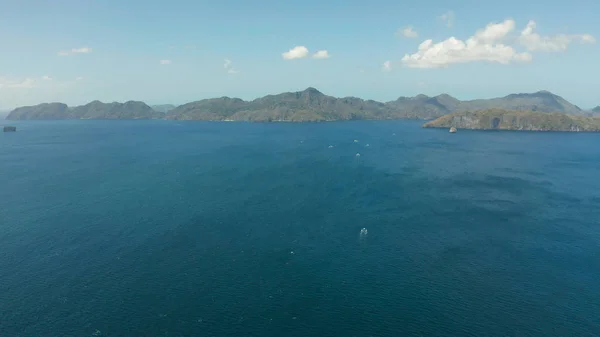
(22, 91)
(165, 62)
(387, 66)
(17, 84)
(485, 45)
(587, 38)
(82, 50)
(297, 52)
(321, 54)
(407, 32)
(448, 18)
(79, 78)
(534, 42)
(29, 83)
(494, 32)
(228, 65)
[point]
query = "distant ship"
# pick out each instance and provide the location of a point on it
(452, 130)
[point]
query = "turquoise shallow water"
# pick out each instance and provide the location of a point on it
(166, 228)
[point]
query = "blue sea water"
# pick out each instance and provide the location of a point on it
(167, 228)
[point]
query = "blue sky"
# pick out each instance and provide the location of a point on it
(77, 51)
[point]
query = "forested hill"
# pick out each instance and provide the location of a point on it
(307, 105)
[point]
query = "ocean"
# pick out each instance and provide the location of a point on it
(185, 228)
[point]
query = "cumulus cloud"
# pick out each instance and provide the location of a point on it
(535, 42)
(82, 50)
(228, 65)
(387, 66)
(46, 78)
(407, 32)
(321, 54)
(485, 45)
(297, 52)
(448, 18)
(165, 62)
(79, 78)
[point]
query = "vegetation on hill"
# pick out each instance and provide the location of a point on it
(92, 110)
(41, 111)
(307, 105)
(541, 101)
(301, 106)
(164, 108)
(312, 105)
(127, 110)
(498, 119)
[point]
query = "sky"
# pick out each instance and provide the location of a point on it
(177, 51)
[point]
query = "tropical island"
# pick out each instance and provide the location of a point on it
(527, 110)
(92, 110)
(498, 119)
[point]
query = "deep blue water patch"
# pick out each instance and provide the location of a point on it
(168, 228)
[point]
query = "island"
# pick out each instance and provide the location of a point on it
(499, 119)
(92, 110)
(309, 105)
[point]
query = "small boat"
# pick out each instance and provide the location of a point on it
(10, 128)
(452, 130)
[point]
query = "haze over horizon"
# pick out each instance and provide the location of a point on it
(182, 51)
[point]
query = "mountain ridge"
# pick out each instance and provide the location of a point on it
(92, 110)
(309, 104)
